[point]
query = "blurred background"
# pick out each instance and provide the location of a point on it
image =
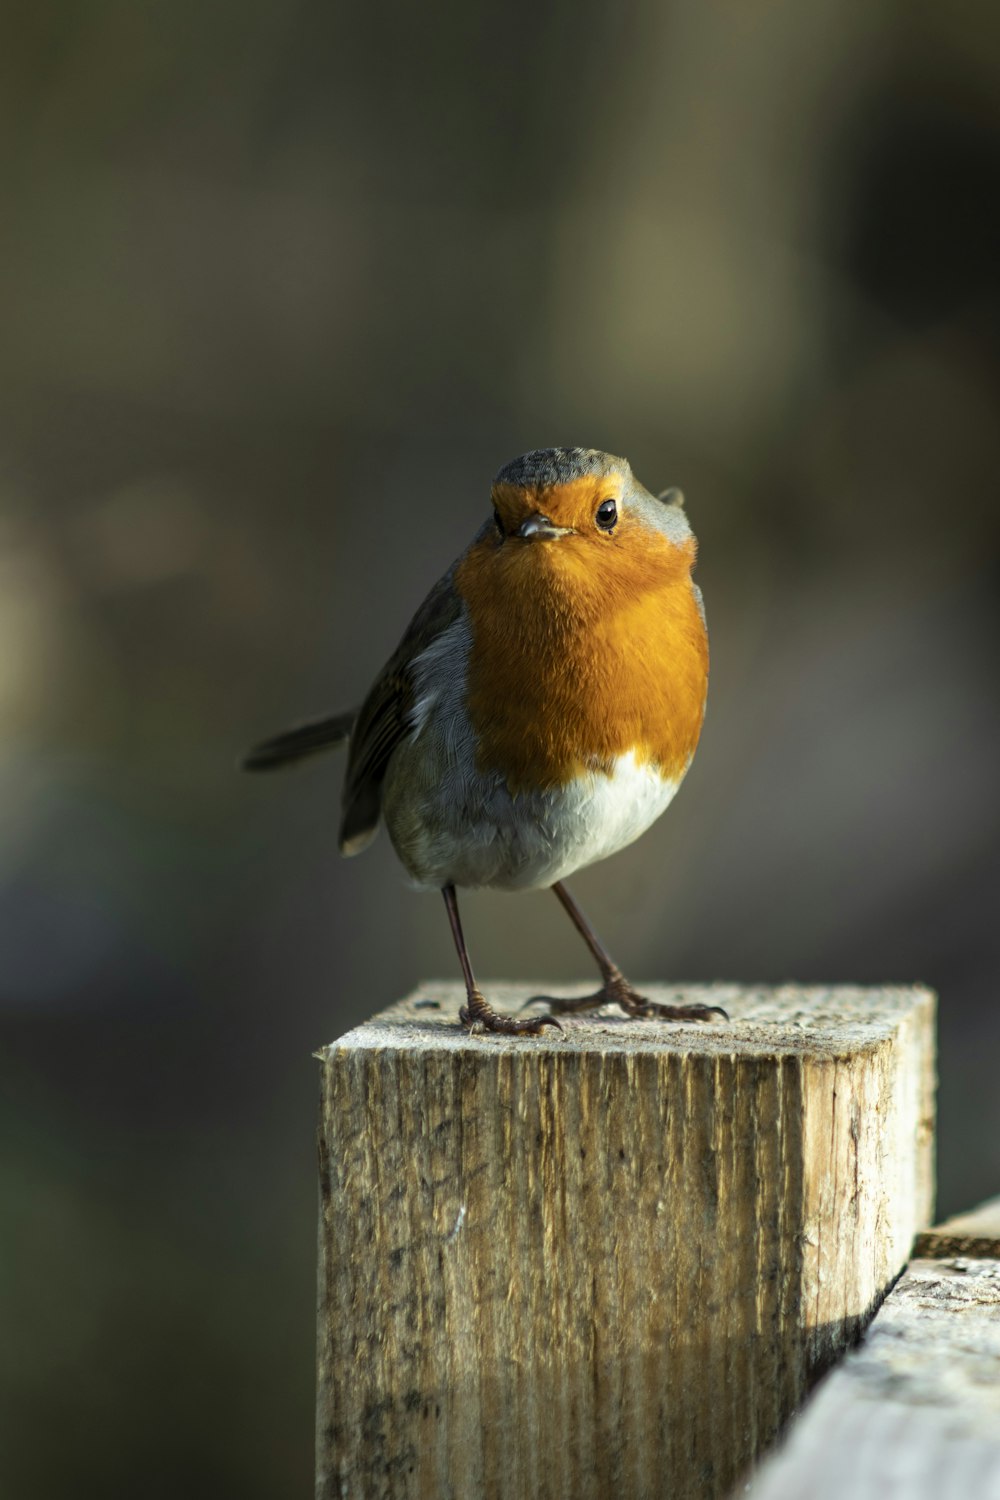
(282, 286)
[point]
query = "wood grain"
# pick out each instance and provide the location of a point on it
(607, 1262)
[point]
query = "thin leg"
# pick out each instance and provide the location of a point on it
(609, 969)
(616, 989)
(477, 1010)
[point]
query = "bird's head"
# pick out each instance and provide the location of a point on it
(557, 494)
(580, 517)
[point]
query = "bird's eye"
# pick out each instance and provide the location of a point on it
(498, 521)
(607, 515)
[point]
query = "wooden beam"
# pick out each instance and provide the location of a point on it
(915, 1412)
(608, 1261)
(976, 1233)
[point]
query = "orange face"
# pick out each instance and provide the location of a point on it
(587, 644)
(573, 505)
(589, 568)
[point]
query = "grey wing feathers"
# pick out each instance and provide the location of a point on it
(384, 718)
(381, 725)
(296, 744)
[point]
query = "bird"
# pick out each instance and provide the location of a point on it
(540, 711)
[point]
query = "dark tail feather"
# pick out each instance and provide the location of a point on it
(296, 744)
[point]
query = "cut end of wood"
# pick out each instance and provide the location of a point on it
(790, 1020)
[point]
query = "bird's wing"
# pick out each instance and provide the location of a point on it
(384, 717)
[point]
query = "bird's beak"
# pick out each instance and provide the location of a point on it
(538, 528)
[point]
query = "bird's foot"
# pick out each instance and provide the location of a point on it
(478, 1012)
(616, 990)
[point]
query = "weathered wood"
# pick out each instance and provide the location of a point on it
(606, 1262)
(976, 1233)
(914, 1413)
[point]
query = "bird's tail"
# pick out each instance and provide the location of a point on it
(296, 744)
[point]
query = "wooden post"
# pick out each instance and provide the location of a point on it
(916, 1411)
(608, 1261)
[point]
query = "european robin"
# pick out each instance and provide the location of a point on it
(542, 708)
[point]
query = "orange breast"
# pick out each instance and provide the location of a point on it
(583, 650)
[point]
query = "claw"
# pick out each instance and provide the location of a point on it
(561, 1005)
(549, 1021)
(682, 1012)
(622, 994)
(571, 1005)
(479, 1013)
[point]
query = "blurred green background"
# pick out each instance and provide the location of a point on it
(281, 286)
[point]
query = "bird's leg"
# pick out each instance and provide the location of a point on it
(477, 1011)
(615, 989)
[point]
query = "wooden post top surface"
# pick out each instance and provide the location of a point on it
(823, 1022)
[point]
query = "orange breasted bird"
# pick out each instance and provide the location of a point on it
(542, 708)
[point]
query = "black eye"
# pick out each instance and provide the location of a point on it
(607, 515)
(499, 523)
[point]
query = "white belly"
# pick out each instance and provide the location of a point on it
(480, 835)
(452, 824)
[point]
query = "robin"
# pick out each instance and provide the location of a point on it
(542, 708)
